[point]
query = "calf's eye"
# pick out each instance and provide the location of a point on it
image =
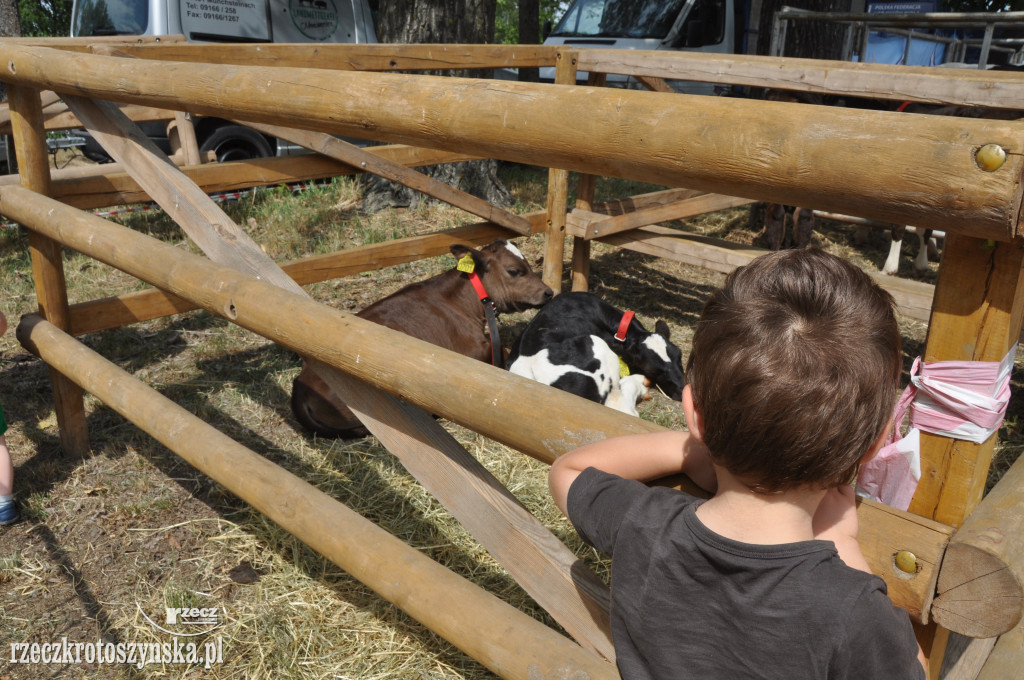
(513, 272)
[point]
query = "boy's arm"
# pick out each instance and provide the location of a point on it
(644, 457)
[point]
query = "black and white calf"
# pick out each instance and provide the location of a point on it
(576, 341)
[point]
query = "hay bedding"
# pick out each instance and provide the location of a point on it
(120, 536)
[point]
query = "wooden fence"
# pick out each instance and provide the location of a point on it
(714, 152)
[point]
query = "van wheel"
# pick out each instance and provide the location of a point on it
(236, 143)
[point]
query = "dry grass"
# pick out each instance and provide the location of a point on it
(131, 529)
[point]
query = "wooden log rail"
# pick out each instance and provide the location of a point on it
(56, 117)
(108, 185)
(886, 166)
(508, 642)
(363, 57)
(403, 365)
(929, 85)
(986, 563)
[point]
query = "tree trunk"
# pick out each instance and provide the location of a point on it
(9, 25)
(438, 21)
(529, 34)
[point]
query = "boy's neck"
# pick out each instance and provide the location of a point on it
(738, 513)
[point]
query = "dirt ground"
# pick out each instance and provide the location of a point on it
(131, 530)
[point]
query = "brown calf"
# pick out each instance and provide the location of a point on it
(444, 310)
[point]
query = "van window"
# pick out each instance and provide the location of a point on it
(110, 17)
(706, 23)
(619, 18)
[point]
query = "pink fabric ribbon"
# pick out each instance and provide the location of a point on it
(959, 399)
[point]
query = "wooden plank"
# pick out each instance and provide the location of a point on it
(838, 160)
(47, 261)
(540, 421)
(1007, 657)
(362, 57)
(888, 531)
(85, 44)
(58, 117)
(965, 657)
(128, 308)
(545, 568)
(913, 298)
(99, 188)
(592, 225)
(368, 162)
(995, 89)
(654, 84)
(505, 640)
(620, 206)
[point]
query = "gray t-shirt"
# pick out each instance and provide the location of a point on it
(689, 603)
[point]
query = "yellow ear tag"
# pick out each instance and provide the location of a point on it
(623, 368)
(466, 264)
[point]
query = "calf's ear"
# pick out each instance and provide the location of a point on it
(460, 251)
(662, 329)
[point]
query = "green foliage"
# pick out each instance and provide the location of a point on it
(506, 18)
(45, 18)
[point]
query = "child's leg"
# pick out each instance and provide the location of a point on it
(6, 470)
(8, 509)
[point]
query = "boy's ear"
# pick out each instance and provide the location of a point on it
(876, 447)
(694, 420)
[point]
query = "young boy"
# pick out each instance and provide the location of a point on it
(8, 508)
(792, 380)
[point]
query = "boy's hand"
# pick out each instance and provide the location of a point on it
(836, 521)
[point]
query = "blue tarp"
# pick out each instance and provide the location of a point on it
(885, 48)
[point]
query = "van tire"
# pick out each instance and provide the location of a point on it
(236, 143)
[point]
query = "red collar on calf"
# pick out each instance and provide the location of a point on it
(491, 312)
(627, 318)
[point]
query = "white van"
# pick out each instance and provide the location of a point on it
(225, 21)
(701, 25)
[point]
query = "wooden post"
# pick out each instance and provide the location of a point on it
(584, 201)
(976, 316)
(558, 191)
(185, 131)
(47, 263)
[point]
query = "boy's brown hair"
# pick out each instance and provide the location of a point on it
(794, 368)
